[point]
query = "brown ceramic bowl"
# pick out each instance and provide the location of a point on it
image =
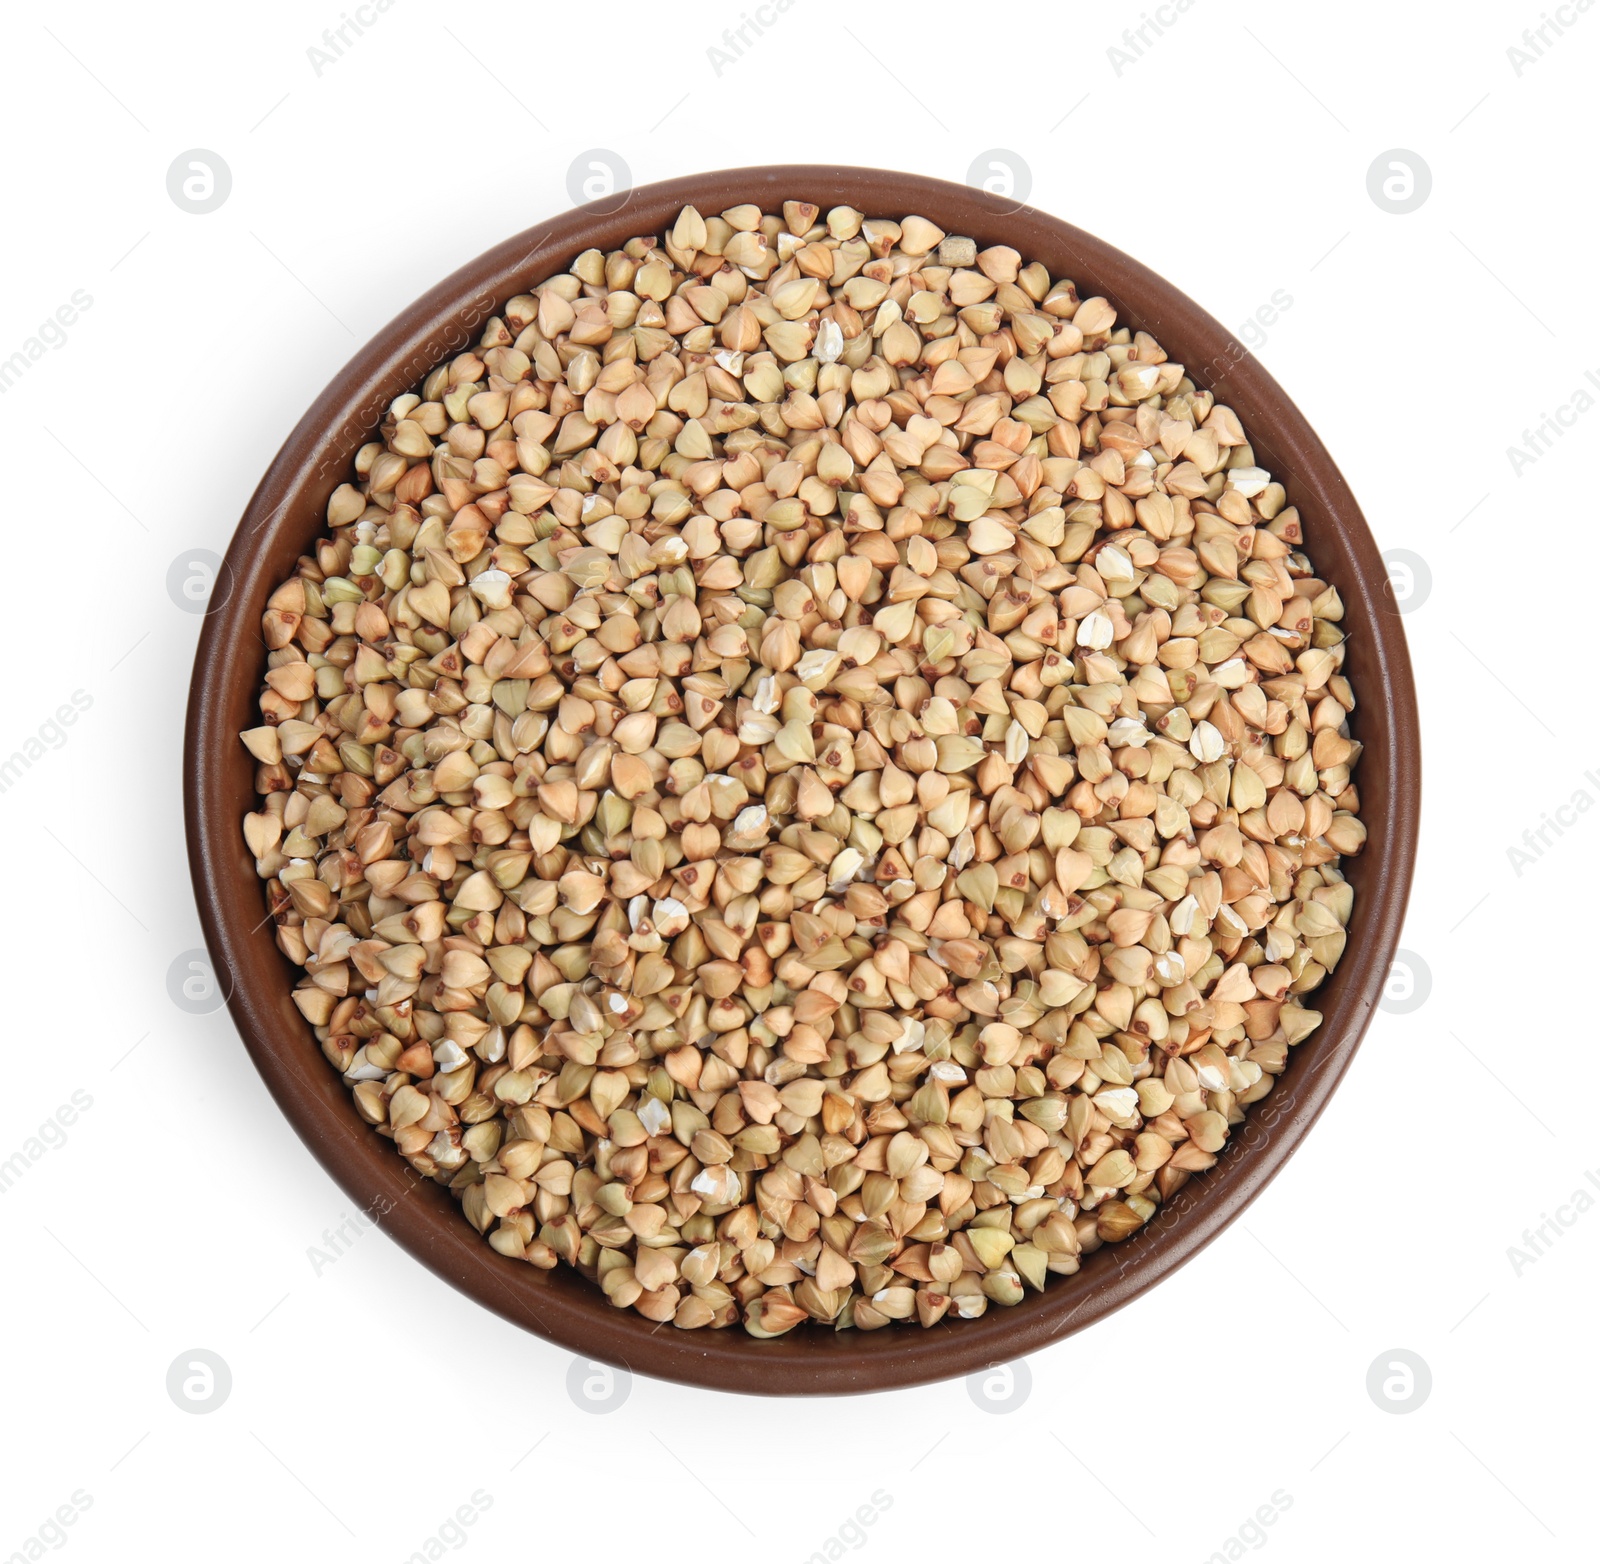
(287, 512)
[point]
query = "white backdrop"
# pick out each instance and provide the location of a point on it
(1419, 193)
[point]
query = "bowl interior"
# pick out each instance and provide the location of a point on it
(287, 512)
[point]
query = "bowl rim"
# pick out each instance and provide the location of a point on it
(286, 511)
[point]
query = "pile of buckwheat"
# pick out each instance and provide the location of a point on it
(808, 774)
